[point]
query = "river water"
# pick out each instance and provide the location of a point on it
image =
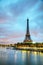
(20, 57)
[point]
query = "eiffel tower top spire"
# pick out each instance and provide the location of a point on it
(27, 26)
(27, 36)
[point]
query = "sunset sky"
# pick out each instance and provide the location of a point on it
(13, 15)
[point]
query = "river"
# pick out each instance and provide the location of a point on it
(20, 57)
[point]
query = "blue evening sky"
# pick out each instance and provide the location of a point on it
(13, 15)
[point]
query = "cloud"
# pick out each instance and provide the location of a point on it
(13, 15)
(21, 7)
(14, 37)
(2, 18)
(40, 7)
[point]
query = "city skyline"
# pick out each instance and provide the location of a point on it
(13, 16)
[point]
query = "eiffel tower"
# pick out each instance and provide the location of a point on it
(27, 36)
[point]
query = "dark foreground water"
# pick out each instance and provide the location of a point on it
(14, 57)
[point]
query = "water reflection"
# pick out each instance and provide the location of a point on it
(17, 57)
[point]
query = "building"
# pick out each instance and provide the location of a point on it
(27, 36)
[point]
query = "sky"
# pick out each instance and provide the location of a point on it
(13, 19)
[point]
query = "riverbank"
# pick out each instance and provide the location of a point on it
(30, 49)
